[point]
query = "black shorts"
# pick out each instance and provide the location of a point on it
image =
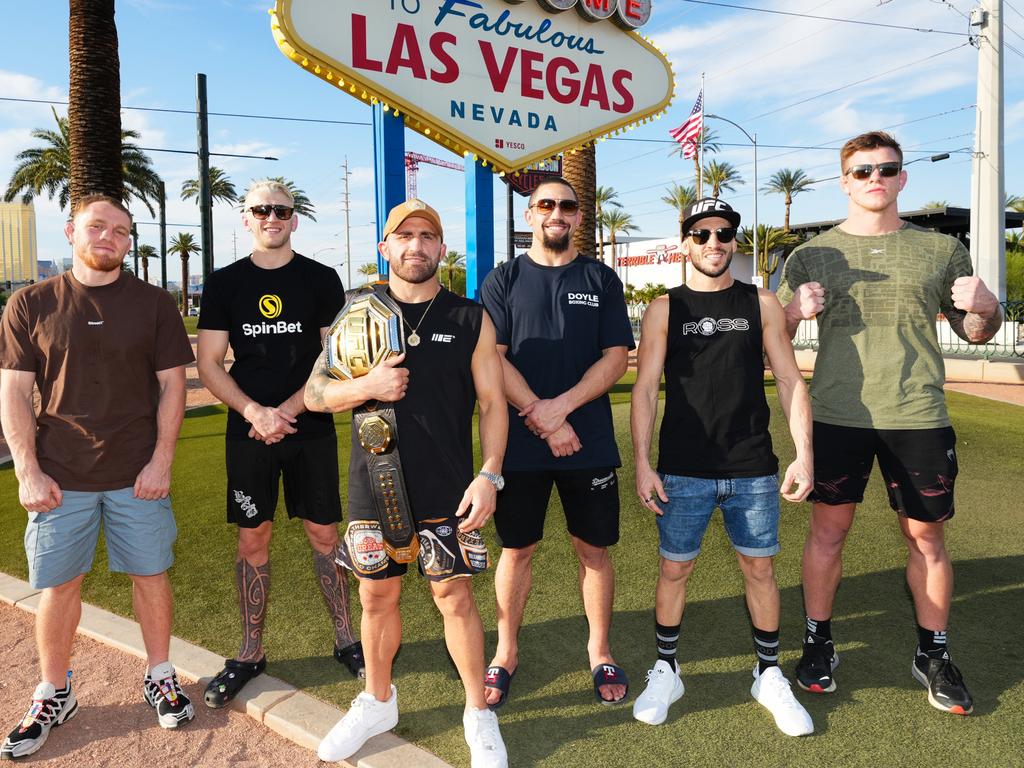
(919, 467)
(590, 498)
(310, 470)
(445, 551)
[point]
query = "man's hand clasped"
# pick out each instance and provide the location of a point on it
(479, 500)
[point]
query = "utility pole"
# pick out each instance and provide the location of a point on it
(234, 245)
(163, 235)
(205, 198)
(988, 194)
(348, 242)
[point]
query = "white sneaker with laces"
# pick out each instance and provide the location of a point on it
(365, 719)
(486, 748)
(771, 690)
(664, 687)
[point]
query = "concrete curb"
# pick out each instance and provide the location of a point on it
(281, 707)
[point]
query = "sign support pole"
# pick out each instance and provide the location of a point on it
(389, 170)
(479, 225)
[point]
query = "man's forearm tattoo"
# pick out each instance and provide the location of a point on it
(253, 590)
(333, 583)
(318, 382)
(973, 327)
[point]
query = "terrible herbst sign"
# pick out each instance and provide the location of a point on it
(512, 82)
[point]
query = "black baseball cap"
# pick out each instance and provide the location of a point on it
(707, 207)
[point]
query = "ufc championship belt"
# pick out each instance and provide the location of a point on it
(364, 334)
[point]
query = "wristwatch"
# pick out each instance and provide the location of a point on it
(497, 480)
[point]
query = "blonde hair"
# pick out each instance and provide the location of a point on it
(267, 185)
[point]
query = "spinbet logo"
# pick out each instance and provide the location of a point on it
(270, 306)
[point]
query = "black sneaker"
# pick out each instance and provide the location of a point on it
(351, 656)
(946, 689)
(50, 708)
(814, 670)
(164, 694)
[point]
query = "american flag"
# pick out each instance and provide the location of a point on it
(688, 134)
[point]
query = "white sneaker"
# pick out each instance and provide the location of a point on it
(366, 718)
(486, 749)
(771, 690)
(664, 687)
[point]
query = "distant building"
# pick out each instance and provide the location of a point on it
(49, 268)
(18, 247)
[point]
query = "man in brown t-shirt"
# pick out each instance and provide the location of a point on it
(108, 354)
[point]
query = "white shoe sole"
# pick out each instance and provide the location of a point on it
(923, 680)
(677, 694)
(66, 714)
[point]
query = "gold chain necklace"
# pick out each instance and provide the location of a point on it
(413, 339)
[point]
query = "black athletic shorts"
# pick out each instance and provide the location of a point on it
(590, 498)
(310, 470)
(919, 467)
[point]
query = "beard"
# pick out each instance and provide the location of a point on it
(99, 261)
(416, 273)
(709, 272)
(556, 244)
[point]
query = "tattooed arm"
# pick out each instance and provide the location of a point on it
(975, 315)
(325, 393)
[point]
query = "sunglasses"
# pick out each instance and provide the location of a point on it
(261, 212)
(863, 172)
(566, 206)
(701, 236)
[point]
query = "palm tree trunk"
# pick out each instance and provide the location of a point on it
(600, 240)
(184, 285)
(682, 236)
(580, 170)
(94, 100)
(145, 268)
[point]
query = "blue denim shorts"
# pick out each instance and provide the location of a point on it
(750, 509)
(60, 544)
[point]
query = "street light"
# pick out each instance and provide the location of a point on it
(753, 140)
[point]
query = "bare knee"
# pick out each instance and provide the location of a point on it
(66, 591)
(591, 557)
(518, 559)
(323, 538)
(925, 540)
(757, 570)
(454, 598)
(674, 572)
(379, 598)
(254, 543)
(827, 533)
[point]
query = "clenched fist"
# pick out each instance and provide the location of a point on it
(808, 301)
(971, 295)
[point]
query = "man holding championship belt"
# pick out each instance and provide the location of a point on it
(411, 360)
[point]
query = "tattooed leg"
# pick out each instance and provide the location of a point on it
(253, 590)
(333, 582)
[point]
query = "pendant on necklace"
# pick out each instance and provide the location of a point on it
(413, 340)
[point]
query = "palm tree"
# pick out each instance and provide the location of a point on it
(146, 252)
(48, 169)
(1015, 203)
(711, 146)
(617, 221)
(603, 196)
(452, 262)
(721, 176)
(936, 204)
(789, 183)
(302, 204)
(1015, 241)
(680, 198)
(579, 167)
(772, 245)
(370, 270)
(221, 187)
(184, 244)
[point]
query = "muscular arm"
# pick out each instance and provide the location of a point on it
(37, 491)
(154, 481)
(643, 409)
(326, 394)
(517, 391)
(975, 327)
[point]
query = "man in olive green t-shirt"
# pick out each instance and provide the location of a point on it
(876, 284)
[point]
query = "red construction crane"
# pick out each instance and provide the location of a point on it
(412, 165)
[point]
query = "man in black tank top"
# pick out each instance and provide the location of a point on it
(451, 364)
(715, 450)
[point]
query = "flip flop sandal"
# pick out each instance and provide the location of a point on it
(609, 674)
(499, 679)
(352, 657)
(226, 685)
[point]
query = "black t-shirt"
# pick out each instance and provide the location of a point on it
(556, 321)
(273, 318)
(435, 418)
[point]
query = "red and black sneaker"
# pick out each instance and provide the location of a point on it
(162, 691)
(50, 708)
(945, 684)
(814, 670)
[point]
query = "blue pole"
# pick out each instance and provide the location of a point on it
(479, 225)
(389, 169)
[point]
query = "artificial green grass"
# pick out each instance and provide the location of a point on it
(191, 323)
(879, 715)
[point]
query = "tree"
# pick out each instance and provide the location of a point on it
(936, 204)
(680, 198)
(302, 204)
(579, 167)
(184, 244)
(617, 221)
(146, 252)
(789, 183)
(451, 265)
(370, 270)
(772, 245)
(48, 169)
(1015, 203)
(221, 187)
(711, 147)
(603, 196)
(721, 176)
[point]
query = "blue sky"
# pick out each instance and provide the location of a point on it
(755, 63)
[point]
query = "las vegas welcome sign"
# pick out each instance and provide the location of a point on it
(512, 82)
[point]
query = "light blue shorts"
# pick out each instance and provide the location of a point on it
(61, 544)
(750, 510)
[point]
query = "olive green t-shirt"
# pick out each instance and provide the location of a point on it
(879, 363)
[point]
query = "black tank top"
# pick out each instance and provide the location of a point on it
(716, 415)
(435, 418)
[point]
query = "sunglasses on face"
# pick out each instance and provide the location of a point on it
(261, 212)
(565, 206)
(701, 236)
(863, 172)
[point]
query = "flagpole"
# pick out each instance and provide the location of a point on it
(700, 146)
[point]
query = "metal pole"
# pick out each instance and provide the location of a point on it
(135, 247)
(755, 205)
(163, 235)
(348, 243)
(510, 216)
(205, 199)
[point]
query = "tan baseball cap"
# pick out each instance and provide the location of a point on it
(412, 207)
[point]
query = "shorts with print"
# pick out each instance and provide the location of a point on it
(919, 467)
(750, 510)
(590, 498)
(60, 544)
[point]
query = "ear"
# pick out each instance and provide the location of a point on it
(382, 248)
(903, 179)
(844, 184)
(69, 229)
(246, 224)
(294, 221)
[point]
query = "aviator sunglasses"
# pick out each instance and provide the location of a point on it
(863, 172)
(701, 236)
(547, 205)
(261, 212)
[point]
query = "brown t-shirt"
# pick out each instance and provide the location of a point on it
(95, 351)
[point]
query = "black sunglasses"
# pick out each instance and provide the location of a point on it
(862, 172)
(547, 205)
(261, 212)
(701, 236)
